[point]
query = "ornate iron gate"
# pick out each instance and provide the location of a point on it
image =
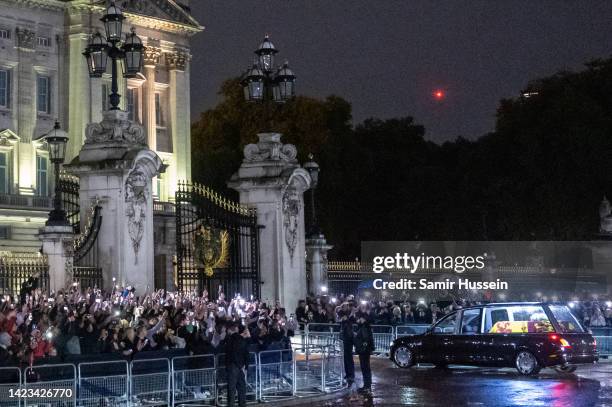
(217, 243)
(85, 268)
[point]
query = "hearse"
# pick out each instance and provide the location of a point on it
(527, 336)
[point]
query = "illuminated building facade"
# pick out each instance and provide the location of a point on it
(44, 77)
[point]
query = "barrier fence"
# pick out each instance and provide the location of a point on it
(199, 380)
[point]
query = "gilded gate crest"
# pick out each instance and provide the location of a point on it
(211, 249)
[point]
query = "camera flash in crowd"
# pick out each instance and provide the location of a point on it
(323, 288)
(117, 313)
(363, 302)
(333, 300)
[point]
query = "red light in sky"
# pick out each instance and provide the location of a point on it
(439, 94)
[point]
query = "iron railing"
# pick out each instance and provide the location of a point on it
(88, 277)
(17, 268)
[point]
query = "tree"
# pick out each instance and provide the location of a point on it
(539, 175)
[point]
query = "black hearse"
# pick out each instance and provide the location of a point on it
(528, 336)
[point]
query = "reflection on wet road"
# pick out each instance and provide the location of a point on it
(465, 386)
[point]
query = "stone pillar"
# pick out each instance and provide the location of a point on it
(271, 180)
(115, 168)
(151, 59)
(316, 263)
(79, 94)
(179, 118)
(57, 244)
(26, 109)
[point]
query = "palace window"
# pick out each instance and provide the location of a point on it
(161, 189)
(4, 173)
(5, 232)
(42, 179)
(43, 42)
(5, 34)
(163, 140)
(43, 99)
(5, 88)
(132, 104)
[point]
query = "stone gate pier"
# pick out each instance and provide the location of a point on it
(271, 180)
(116, 168)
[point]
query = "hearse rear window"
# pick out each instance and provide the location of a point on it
(566, 320)
(519, 319)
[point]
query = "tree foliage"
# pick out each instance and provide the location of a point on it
(540, 175)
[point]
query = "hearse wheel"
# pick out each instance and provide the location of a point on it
(526, 363)
(565, 368)
(403, 357)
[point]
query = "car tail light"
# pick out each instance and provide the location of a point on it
(561, 341)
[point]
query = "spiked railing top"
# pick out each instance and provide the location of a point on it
(216, 198)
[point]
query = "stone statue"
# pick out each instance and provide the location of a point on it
(136, 200)
(291, 211)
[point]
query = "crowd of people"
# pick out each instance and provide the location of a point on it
(80, 322)
(322, 310)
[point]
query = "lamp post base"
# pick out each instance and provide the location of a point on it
(57, 217)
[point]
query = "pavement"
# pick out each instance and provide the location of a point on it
(590, 385)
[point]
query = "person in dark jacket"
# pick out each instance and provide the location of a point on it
(364, 345)
(346, 317)
(236, 362)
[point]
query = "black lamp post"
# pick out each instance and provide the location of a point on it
(266, 84)
(56, 140)
(313, 169)
(100, 49)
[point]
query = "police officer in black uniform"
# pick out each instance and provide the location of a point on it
(346, 316)
(236, 362)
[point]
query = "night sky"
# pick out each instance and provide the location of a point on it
(389, 57)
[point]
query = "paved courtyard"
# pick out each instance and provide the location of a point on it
(465, 386)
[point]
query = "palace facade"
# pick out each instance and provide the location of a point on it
(43, 78)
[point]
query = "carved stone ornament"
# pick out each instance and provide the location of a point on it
(115, 128)
(177, 60)
(155, 8)
(136, 206)
(25, 38)
(151, 55)
(270, 148)
(68, 246)
(291, 211)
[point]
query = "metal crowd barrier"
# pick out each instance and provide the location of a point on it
(383, 336)
(10, 381)
(333, 369)
(252, 381)
(43, 381)
(276, 375)
(322, 335)
(107, 381)
(150, 382)
(309, 372)
(194, 380)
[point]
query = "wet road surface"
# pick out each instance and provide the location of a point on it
(467, 386)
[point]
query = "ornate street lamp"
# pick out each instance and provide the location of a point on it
(56, 140)
(313, 169)
(263, 83)
(100, 48)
